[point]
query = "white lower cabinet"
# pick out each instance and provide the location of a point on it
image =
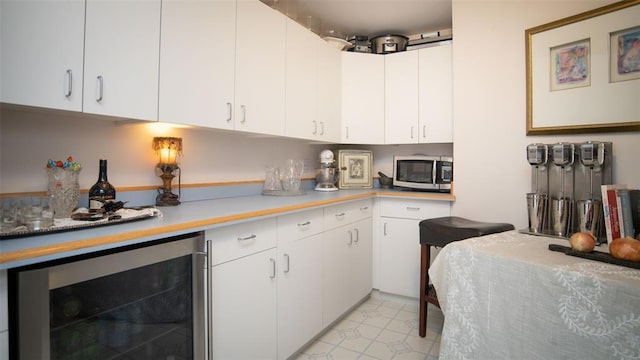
(299, 279)
(244, 290)
(399, 252)
(4, 321)
(347, 258)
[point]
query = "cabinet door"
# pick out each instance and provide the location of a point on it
(42, 52)
(400, 257)
(329, 92)
(362, 98)
(260, 69)
(197, 62)
(436, 94)
(299, 293)
(121, 58)
(401, 98)
(301, 82)
(244, 307)
(362, 259)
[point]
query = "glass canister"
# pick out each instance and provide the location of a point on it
(64, 189)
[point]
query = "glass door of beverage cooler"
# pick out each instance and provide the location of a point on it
(145, 303)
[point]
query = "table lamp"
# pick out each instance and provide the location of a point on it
(168, 150)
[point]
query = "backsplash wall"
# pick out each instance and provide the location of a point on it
(28, 137)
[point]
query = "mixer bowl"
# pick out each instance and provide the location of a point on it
(326, 178)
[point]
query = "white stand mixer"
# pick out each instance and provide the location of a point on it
(327, 174)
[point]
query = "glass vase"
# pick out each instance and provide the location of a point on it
(64, 190)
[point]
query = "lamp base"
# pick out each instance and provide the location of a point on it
(166, 198)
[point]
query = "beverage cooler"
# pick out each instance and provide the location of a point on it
(141, 302)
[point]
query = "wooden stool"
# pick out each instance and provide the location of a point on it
(440, 232)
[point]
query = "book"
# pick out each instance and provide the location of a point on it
(634, 196)
(610, 210)
(624, 213)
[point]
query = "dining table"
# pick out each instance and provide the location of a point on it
(507, 296)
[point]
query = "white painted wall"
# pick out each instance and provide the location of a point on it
(491, 171)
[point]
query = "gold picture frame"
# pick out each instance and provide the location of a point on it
(601, 104)
(355, 169)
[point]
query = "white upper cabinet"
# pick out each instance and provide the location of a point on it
(260, 68)
(122, 40)
(401, 97)
(41, 56)
(197, 62)
(362, 98)
(329, 92)
(301, 82)
(436, 94)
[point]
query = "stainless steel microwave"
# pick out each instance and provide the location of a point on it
(423, 172)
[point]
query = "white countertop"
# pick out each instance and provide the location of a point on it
(185, 218)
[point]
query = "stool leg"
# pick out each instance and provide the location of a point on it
(425, 262)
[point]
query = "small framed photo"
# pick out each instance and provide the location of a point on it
(355, 169)
(625, 55)
(570, 65)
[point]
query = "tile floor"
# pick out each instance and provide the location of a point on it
(384, 327)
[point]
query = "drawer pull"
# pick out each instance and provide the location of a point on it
(340, 215)
(273, 268)
(411, 208)
(350, 237)
(69, 76)
(250, 237)
(306, 223)
(384, 229)
(229, 112)
(357, 234)
(365, 208)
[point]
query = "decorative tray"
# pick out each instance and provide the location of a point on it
(62, 225)
(594, 255)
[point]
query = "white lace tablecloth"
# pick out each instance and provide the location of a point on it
(506, 296)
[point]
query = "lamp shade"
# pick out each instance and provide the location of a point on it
(168, 149)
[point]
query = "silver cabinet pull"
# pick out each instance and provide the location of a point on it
(384, 229)
(69, 76)
(229, 111)
(357, 234)
(321, 127)
(244, 114)
(315, 127)
(347, 132)
(412, 132)
(287, 263)
(306, 223)
(350, 237)
(340, 215)
(99, 90)
(209, 300)
(250, 237)
(424, 131)
(411, 208)
(273, 268)
(364, 208)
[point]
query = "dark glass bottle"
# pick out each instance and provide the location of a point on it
(102, 190)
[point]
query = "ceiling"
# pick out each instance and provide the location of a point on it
(368, 17)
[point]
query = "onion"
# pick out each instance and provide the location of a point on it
(626, 248)
(583, 241)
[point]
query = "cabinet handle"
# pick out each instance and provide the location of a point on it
(99, 85)
(412, 132)
(411, 208)
(306, 223)
(340, 215)
(424, 131)
(347, 132)
(229, 112)
(250, 237)
(350, 237)
(244, 114)
(384, 229)
(315, 127)
(209, 298)
(273, 268)
(287, 264)
(357, 234)
(364, 208)
(321, 127)
(69, 77)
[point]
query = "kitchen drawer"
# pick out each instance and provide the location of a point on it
(299, 225)
(235, 241)
(343, 214)
(414, 209)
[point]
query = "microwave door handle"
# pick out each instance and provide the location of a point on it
(434, 174)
